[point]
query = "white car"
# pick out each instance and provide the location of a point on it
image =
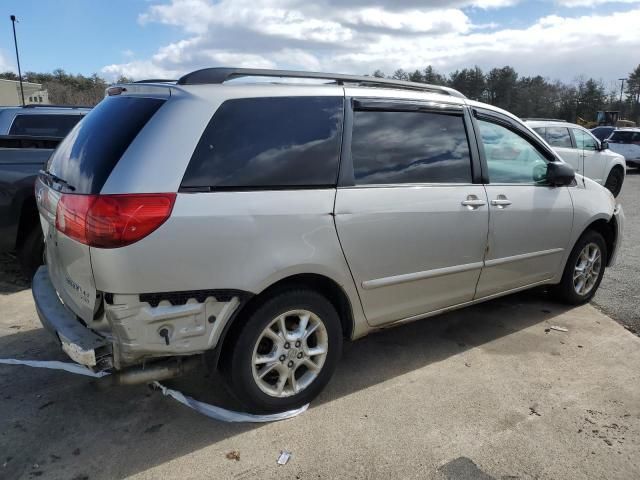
(579, 148)
(626, 142)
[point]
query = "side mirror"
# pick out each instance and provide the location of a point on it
(560, 174)
(604, 145)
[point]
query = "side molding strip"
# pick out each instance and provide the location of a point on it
(524, 256)
(412, 277)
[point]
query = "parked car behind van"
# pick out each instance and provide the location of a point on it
(28, 136)
(260, 225)
(626, 142)
(583, 151)
(602, 132)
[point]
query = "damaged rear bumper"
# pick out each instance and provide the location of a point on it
(132, 328)
(83, 345)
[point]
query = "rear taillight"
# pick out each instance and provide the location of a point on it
(111, 221)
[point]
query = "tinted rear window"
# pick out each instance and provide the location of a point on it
(409, 147)
(268, 143)
(44, 125)
(86, 157)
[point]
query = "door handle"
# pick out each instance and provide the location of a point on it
(501, 201)
(472, 202)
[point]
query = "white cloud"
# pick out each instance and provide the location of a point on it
(590, 3)
(355, 36)
(6, 65)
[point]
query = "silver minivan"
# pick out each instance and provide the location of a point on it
(258, 225)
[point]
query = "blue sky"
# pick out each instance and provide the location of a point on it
(560, 39)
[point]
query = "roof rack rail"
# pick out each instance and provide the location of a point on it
(544, 120)
(218, 75)
(42, 105)
(156, 80)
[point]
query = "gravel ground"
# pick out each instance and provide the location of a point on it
(619, 293)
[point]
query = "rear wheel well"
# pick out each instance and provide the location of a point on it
(608, 230)
(318, 283)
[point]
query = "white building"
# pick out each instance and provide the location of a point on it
(33, 93)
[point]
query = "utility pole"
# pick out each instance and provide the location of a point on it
(15, 42)
(621, 80)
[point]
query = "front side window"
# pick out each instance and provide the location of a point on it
(559, 137)
(268, 143)
(409, 147)
(584, 141)
(510, 157)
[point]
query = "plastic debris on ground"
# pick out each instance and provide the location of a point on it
(211, 411)
(559, 329)
(284, 457)
(55, 365)
(225, 415)
(234, 455)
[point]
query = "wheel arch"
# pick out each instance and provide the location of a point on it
(609, 231)
(322, 284)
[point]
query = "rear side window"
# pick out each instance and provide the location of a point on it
(409, 147)
(86, 157)
(44, 125)
(558, 137)
(269, 143)
(622, 137)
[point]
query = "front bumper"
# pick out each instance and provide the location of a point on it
(618, 216)
(79, 342)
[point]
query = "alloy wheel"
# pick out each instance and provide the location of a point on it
(587, 269)
(289, 353)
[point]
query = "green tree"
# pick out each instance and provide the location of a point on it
(591, 98)
(433, 77)
(416, 76)
(469, 81)
(400, 74)
(502, 87)
(633, 93)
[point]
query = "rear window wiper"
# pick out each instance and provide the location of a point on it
(59, 180)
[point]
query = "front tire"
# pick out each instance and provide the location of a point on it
(584, 270)
(286, 352)
(614, 181)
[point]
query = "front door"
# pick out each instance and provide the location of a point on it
(529, 221)
(593, 161)
(411, 220)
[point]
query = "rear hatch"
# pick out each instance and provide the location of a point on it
(68, 190)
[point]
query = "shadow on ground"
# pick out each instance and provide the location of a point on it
(11, 279)
(56, 419)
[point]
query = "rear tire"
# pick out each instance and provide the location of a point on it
(584, 270)
(31, 252)
(614, 181)
(272, 370)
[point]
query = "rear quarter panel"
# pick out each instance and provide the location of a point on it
(232, 240)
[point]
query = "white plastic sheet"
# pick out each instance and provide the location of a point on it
(211, 411)
(223, 414)
(55, 365)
